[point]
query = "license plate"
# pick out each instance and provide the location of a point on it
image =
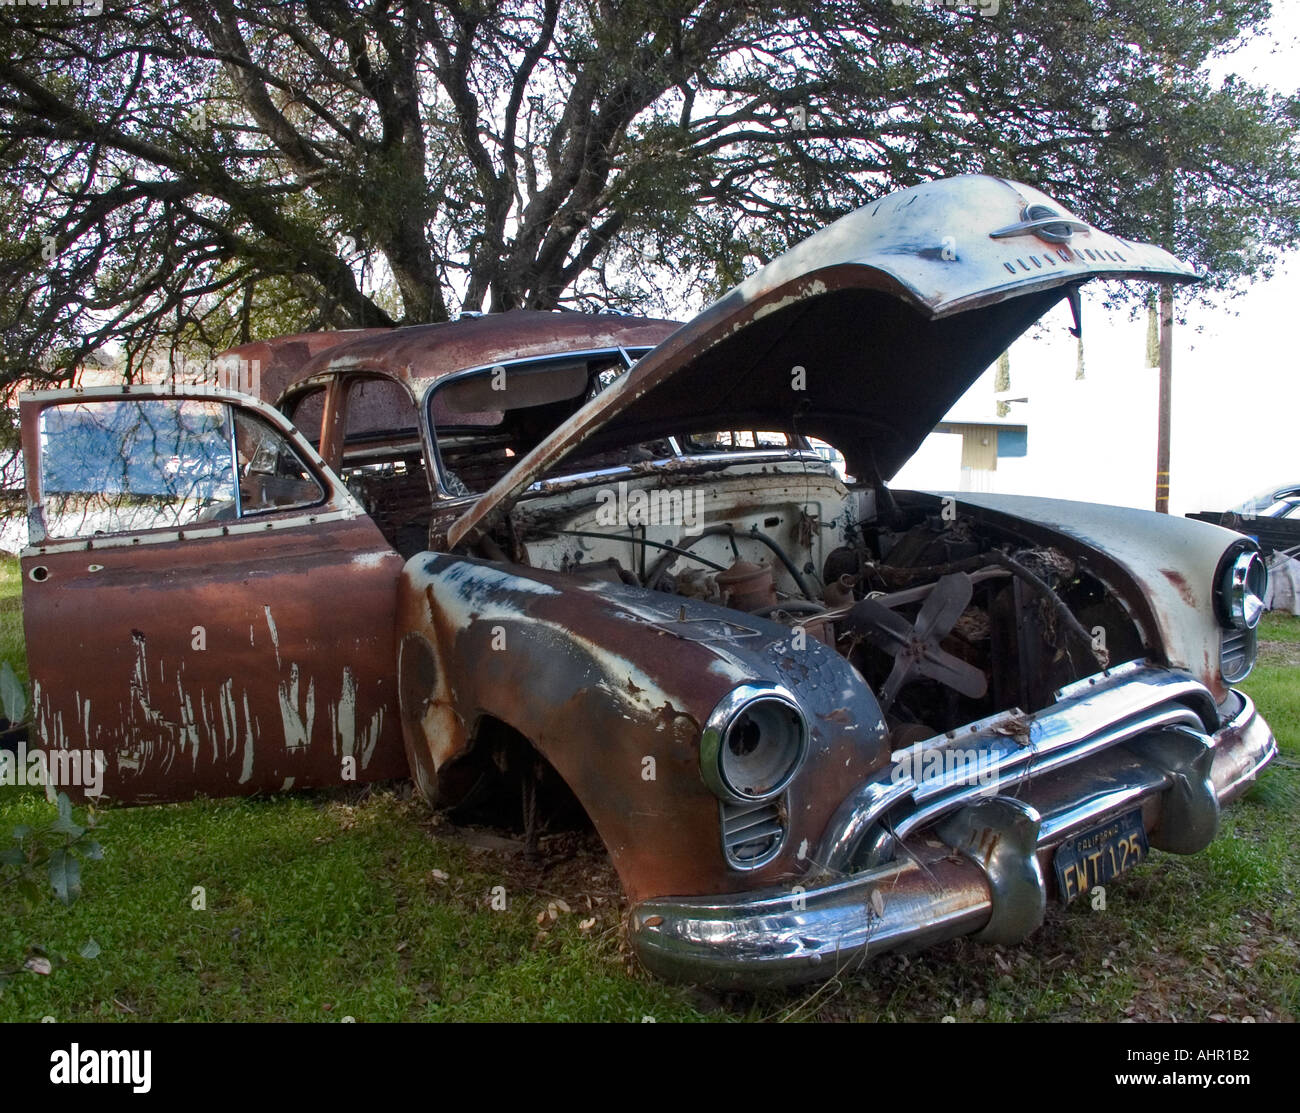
(1100, 854)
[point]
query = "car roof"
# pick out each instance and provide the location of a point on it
(1270, 495)
(418, 355)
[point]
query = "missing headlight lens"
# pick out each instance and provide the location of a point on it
(1243, 584)
(753, 744)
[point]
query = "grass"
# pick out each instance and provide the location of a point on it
(1278, 627)
(11, 617)
(362, 904)
(314, 909)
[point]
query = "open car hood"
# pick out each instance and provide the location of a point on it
(891, 313)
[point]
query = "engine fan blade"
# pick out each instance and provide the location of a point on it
(883, 628)
(943, 607)
(938, 664)
(915, 648)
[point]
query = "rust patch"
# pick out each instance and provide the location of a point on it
(1180, 583)
(293, 675)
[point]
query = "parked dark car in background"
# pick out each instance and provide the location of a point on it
(1272, 517)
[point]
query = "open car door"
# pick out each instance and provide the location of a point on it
(207, 609)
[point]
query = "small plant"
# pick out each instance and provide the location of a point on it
(13, 696)
(41, 860)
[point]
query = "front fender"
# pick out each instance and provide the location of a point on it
(612, 684)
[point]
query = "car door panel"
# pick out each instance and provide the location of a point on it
(220, 658)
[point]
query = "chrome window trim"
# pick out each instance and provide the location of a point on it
(425, 402)
(168, 535)
(234, 461)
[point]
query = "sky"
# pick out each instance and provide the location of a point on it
(1236, 399)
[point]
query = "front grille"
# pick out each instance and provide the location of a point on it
(1237, 651)
(752, 834)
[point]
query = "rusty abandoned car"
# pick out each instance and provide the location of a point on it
(592, 561)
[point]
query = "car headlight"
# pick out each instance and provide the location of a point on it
(1242, 586)
(753, 743)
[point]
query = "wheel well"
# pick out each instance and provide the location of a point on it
(499, 776)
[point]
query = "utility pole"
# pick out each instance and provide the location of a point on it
(1166, 316)
(1166, 391)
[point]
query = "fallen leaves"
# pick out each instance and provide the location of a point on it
(552, 911)
(1015, 726)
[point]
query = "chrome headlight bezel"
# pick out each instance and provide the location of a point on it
(1241, 585)
(734, 712)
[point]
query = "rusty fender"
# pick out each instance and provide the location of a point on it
(611, 684)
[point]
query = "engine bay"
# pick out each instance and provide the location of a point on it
(948, 618)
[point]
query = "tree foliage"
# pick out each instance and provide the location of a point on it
(203, 172)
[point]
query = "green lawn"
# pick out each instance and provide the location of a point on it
(361, 904)
(11, 617)
(1278, 627)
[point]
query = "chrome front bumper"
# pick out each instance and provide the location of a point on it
(908, 862)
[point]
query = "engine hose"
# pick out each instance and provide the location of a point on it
(728, 530)
(791, 606)
(995, 557)
(672, 550)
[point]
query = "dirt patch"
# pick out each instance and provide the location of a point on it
(572, 865)
(1280, 654)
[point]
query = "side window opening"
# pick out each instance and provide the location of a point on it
(127, 465)
(486, 419)
(306, 411)
(271, 476)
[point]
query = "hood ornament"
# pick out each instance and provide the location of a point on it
(1045, 223)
